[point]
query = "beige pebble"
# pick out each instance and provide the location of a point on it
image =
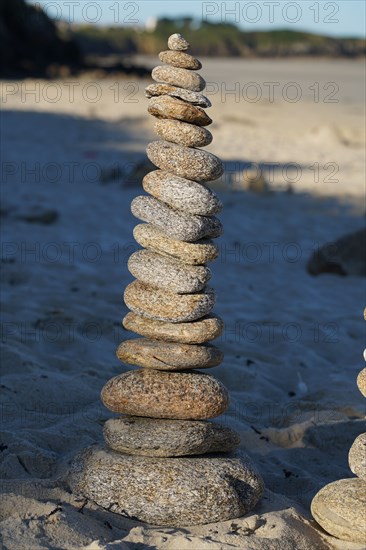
(361, 381)
(196, 98)
(182, 133)
(180, 59)
(357, 456)
(183, 78)
(165, 106)
(177, 42)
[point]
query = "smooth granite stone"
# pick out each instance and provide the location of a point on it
(192, 164)
(162, 394)
(155, 354)
(177, 42)
(163, 305)
(167, 107)
(174, 492)
(189, 196)
(175, 223)
(165, 438)
(357, 456)
(180, 59)
(198, 253)
(182, 133)
(182, 78)
(195, 332)
(163, 272)
(361, 382)
(196, 98)
(340, 509)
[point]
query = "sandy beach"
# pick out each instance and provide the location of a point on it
(72, 155)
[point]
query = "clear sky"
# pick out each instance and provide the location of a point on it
(334, 18)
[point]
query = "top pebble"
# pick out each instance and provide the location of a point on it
(178, 43)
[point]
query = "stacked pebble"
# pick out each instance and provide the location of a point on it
(340, 507)
(153, 472)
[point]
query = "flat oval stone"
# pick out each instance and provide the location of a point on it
(155, 354)
(198, 253)
(357, 456)
(163, 272)
(192, 164)
(180, 59)
(165, 106)
(195, 332)
(196, 98)
(182, 78)
(182, 133)
(177, 42)
(161, 437)
(182, 194)
(162, 394)
(340, 509)
(164, 305)
(172, 492)
(175, 223)
(361, 382)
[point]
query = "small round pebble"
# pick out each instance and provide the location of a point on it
(192, 164)
(361, 382)
(181, 60)
(136, 435)
(357, 456)
(162, 394)
(182, 133)
(177, 42)
(173, 492)
(195, 332)
(339, 508)
(182, 78)
(155, 354)
(187, 95)
(189, 196)
(164, 305)
(165, 106)
(175, 223)
(163, 272)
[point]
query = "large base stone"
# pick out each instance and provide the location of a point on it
(340, 509)
(167, 491)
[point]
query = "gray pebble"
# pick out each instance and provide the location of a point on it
(163, 272)
(174, 223)
(164, 394)
(136, 435)
(182, 78)
(177, 42)
(174, 492)
(183, 133)
(180, 59)
(188, 196)
(164, 305)
(187, 95)
(155, 354)
(165, 106)
(193, 164)
(357, 456)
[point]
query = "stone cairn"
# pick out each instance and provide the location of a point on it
(340, 507)
(155, 469)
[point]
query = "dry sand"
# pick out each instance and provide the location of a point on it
(293, 343)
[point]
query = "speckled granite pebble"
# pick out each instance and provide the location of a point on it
(182, 78)
(196, 98)
(172, 492)
(180, 59)
(165, 438)
(196, 332)
(361, 381)
(193, 164)
(357, 456)
(340, 509)
(155, 354)
(163, 305)
(162, 394)
(165, 106)
(197, 253)
(182, 133)
(163, 272)
(177, 42)
(175, 223)
(182, 194)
